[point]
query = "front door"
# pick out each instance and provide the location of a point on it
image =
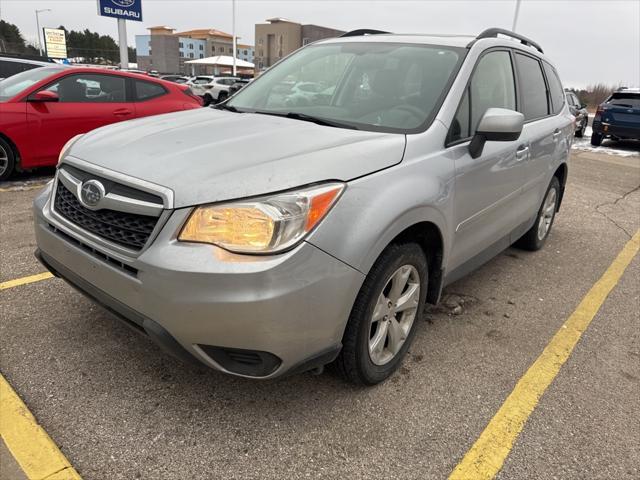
(488, 203)
(86, 101)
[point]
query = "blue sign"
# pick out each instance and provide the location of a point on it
(125, 9)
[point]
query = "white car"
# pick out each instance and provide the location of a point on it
(212, 89)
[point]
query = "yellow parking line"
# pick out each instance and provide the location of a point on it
(24, 280)
(29, 444)
(487, 455)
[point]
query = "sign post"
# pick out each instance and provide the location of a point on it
(123, 10)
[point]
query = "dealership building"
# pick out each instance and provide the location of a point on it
(279, 37)
(166, 50)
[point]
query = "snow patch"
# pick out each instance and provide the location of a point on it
(627, 148)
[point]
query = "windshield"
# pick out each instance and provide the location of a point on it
(14, 85)
(370, 86)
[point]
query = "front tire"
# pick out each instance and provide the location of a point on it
(7, 160)
(385, 315)
(583, 127)
(206, 100)
(537, 235)
(222, 96)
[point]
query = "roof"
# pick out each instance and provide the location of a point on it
(221, 61)
(449, 40)
(205, 32)
(280, 19)
(160, 27)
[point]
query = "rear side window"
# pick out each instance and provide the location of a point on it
(492, 86)
(533, 89)
(555, 88)
(148, 90)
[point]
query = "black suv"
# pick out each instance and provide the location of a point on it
(618, 117)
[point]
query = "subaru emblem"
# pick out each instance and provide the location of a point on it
(91, 193)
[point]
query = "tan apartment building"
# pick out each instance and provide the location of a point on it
(279, 37)
(166, 50)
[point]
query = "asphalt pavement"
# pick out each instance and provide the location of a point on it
(120, 408)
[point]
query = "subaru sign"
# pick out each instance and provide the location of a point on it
(123, 9)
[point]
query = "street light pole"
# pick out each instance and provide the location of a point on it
(38, 27)
(515, 16)
(233, 32)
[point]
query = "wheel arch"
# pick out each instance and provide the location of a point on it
(561, 174)
(429, 237)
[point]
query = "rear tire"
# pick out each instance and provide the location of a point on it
(583, 127)
(378, 335)
(7, 160)
(596, 139)
(537, 235)
(206, 100)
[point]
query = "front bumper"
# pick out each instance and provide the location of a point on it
(287, 311)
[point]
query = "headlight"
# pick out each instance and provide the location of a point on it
(262, 225)
(67, 146)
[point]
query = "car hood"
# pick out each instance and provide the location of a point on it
(210, 155)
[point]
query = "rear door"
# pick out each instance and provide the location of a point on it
(544, 131)
(86, 101)
(152, 98)
(487, 205)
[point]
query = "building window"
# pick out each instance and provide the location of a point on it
(259, 41)
(201, 47)
(191, 55)
(306, 41)
(180, 44)
(201, 56)
(245, 52)
(231, 50)
(191, 46)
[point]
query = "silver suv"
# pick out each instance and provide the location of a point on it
(263, 239)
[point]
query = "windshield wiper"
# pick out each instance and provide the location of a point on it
(222, 106)
(309, 118)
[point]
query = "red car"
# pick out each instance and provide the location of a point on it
(41, 109)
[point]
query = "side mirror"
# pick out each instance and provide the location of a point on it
(496, 125)
(44, 96)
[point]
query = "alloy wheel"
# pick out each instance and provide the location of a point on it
(547, 213)
(4, 160)
(394, 314)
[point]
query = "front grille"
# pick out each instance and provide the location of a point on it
(126, 229)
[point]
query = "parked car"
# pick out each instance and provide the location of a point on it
(10, 65)
(618, 117)
(578, 110)
(217, 90)
(238, 85)
(41, 109)
(265, 240)
(176, 78)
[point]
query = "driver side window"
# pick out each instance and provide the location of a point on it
(492, 86)
(90, 88)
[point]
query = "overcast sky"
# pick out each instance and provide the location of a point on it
(590, 41)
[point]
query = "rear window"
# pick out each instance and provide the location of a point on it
(534, 89)
(9, 68)
(148, 90)
(629, 100)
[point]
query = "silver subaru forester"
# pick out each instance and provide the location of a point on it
(289, 228)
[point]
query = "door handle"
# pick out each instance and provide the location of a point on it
(556, 133)
(522, 152)
(121, 112)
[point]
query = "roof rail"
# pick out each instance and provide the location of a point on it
(362, 31)
(494, 32)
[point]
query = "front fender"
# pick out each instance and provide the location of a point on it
(375, 209)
